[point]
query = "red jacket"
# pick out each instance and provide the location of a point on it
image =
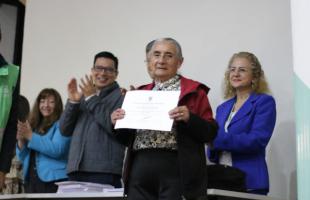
(191, 137)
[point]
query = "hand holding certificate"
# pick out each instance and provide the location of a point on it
(148, 110)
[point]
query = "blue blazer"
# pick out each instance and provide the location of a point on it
(248, 135)
(51, 154)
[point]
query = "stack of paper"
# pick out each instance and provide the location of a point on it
(115, 192)
(77, 186)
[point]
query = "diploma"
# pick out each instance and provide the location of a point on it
(145, 109)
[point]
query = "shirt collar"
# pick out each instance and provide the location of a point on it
(171, 81)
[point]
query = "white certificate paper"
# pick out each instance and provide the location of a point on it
(145, 109)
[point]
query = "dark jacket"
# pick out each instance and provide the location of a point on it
(191, 137)
(93, 146)
(9, 136)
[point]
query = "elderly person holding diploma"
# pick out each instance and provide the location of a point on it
(169, 165)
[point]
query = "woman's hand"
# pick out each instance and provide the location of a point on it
(117, 114)
(24, 131)
(180, 113)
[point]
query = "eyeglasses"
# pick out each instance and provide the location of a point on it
(107, 70)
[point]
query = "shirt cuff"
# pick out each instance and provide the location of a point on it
(87, 98)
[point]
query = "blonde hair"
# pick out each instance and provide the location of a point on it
(259, 83)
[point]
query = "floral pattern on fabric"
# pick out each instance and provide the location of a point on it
(147, 139)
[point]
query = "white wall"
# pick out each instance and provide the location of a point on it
(61, 38)
(8, 15)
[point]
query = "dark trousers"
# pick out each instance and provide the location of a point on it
(94, 177)
(35, 185)
(155, 176)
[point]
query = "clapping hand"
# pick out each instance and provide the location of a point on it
(87, 86)
(73, 93)
(24, 131)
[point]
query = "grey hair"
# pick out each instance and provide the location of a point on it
(173, 41)
(148, 49)
(149, 46)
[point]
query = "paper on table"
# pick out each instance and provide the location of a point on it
(146, 109)
(78, 186)
(117, 192)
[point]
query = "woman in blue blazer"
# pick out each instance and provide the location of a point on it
(246, 122)
(41, 147)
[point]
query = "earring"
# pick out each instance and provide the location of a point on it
(253, 85)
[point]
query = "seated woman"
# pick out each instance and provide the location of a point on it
(246, 122)
(41, 147)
